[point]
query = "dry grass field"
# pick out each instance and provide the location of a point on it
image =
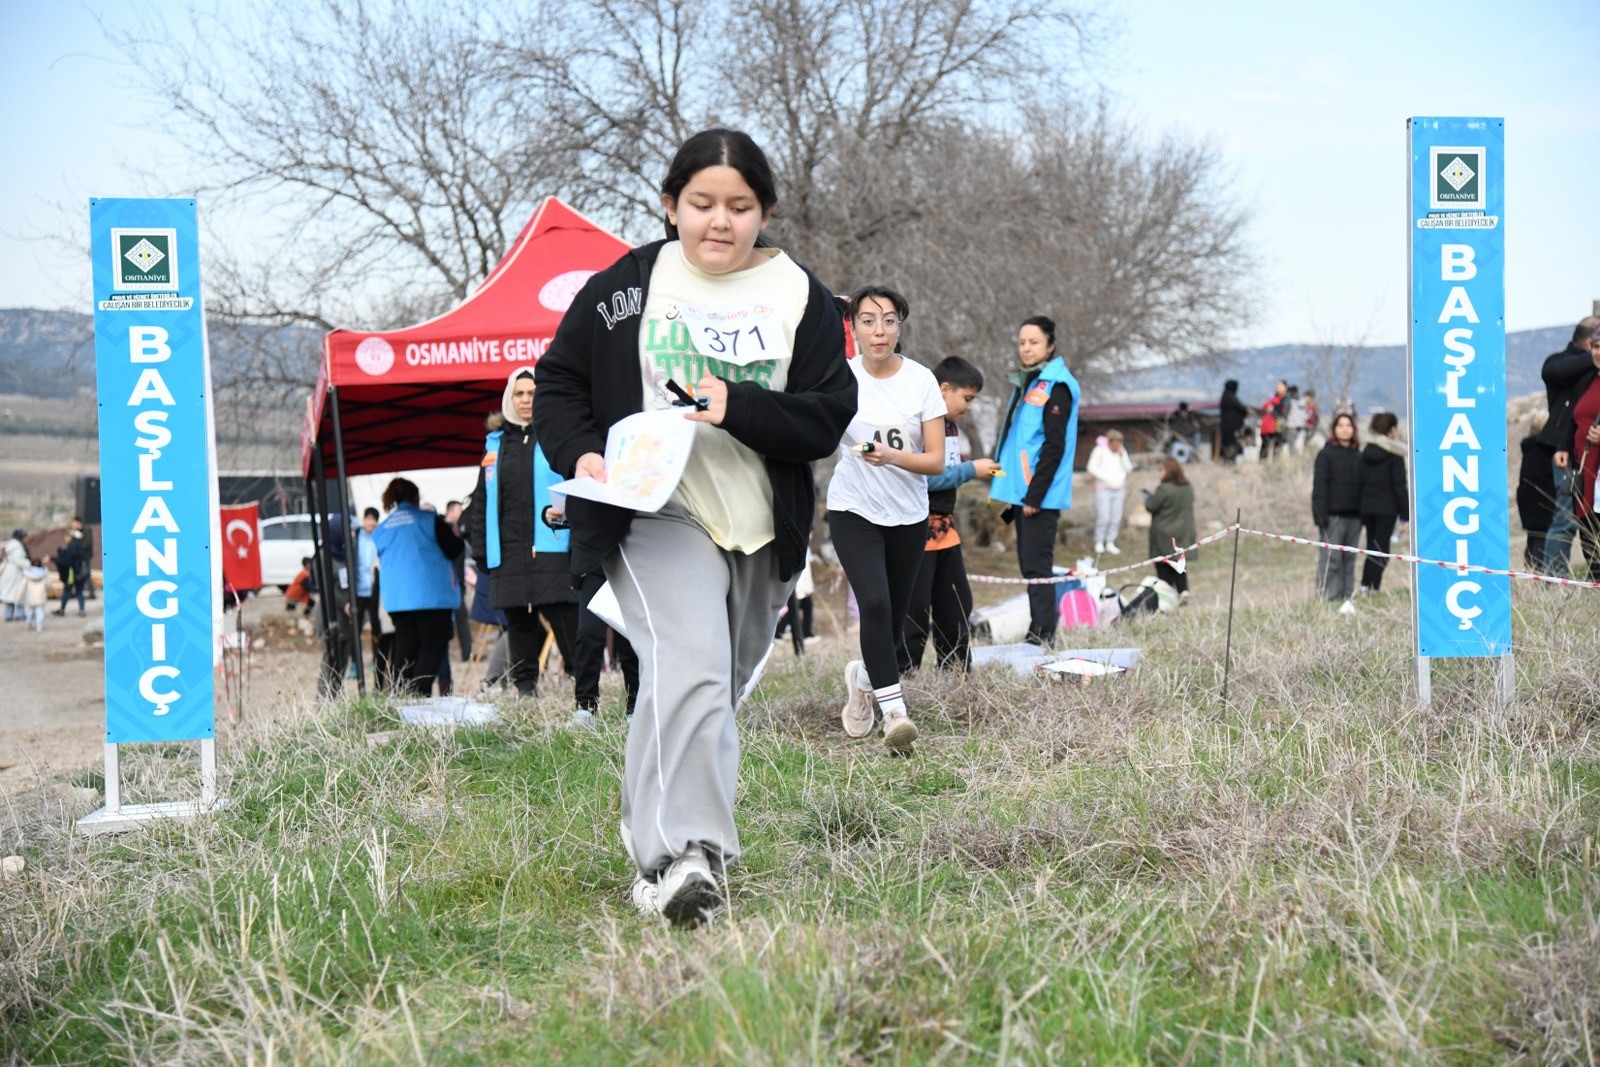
(1313, 870)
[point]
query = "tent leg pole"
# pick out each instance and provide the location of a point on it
(349, 546)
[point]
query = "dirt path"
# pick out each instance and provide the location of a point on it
(52, 690)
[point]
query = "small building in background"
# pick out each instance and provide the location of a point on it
(1150, 428)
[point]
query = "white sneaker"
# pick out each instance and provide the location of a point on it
(687, 889)
(1099, 546)
(1112, 548)
(857, 715)
(899, 731)
(1347, 608)
(646, 896)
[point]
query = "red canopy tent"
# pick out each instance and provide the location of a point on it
(416, 398)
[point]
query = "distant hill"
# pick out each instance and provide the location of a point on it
(51, 353)
(1379, 380)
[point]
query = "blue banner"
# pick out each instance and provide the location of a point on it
(1461, 507)
(156, 471)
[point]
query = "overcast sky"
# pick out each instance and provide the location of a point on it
(1307, 104)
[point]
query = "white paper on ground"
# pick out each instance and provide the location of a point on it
(449, 711)
(1082, 668)
(645, 457)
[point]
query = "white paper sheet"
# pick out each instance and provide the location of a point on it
(645, 457)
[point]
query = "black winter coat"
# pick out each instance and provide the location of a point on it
(525, 578)
(1336, 484)
(1536, 486)
(1233, 415)
(1383, 484)
(1566, 375)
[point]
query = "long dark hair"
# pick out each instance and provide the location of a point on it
(1355, 432)
(720, 147)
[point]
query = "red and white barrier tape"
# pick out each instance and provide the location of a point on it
(1459, 568)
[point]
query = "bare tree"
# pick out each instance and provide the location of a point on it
(934, 145)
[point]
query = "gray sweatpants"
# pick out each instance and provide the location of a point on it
(701, 620)
(1336, 571)
(1108, 512)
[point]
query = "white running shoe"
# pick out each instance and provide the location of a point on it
(688, 890)
(857, 715)
(1099, 546)
(1347, 608)
(646, 896)
(1111, 547)
(899, 731)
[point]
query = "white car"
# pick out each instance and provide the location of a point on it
(285, 541)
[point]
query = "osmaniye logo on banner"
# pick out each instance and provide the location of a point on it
(145, 271)
(1458, 179)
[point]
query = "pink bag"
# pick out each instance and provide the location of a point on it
(1078, 608)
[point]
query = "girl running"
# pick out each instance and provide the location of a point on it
(758, 341)
(878, 505)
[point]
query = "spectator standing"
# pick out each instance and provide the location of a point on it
(1233, 415)
(71, 562)
(1336, 509)
(35, 594)
(1171, 508)
(1566, 375)
(878, 505)
(941, 600)
(1037, 440)
(1536, 493)
(1274, 414)
(367, 585)
(1109, 466)
(1385, 498)
(513, 541)
(13, 563)
(415, 548)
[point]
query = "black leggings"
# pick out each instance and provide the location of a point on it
(880, 563)
(942, 596)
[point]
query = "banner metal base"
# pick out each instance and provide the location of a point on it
(117, 817)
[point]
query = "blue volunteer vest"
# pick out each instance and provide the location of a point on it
(544, 538)
(416, 574)
(1018, 454)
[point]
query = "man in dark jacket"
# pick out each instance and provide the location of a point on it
(1565, 375)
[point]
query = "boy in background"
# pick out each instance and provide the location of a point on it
(942, 594)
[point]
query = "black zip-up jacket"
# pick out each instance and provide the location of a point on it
(590, 379)
(1566, 374)
(1383, 481)
(1336, 483)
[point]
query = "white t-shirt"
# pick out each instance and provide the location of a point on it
(737, 326)
(889, 411)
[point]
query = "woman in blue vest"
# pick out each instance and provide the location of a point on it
(1037, 443)
(526, 558)
(418, 590)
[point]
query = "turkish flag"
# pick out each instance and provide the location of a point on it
(241, 546)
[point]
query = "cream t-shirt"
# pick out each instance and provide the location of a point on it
(737, 326)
